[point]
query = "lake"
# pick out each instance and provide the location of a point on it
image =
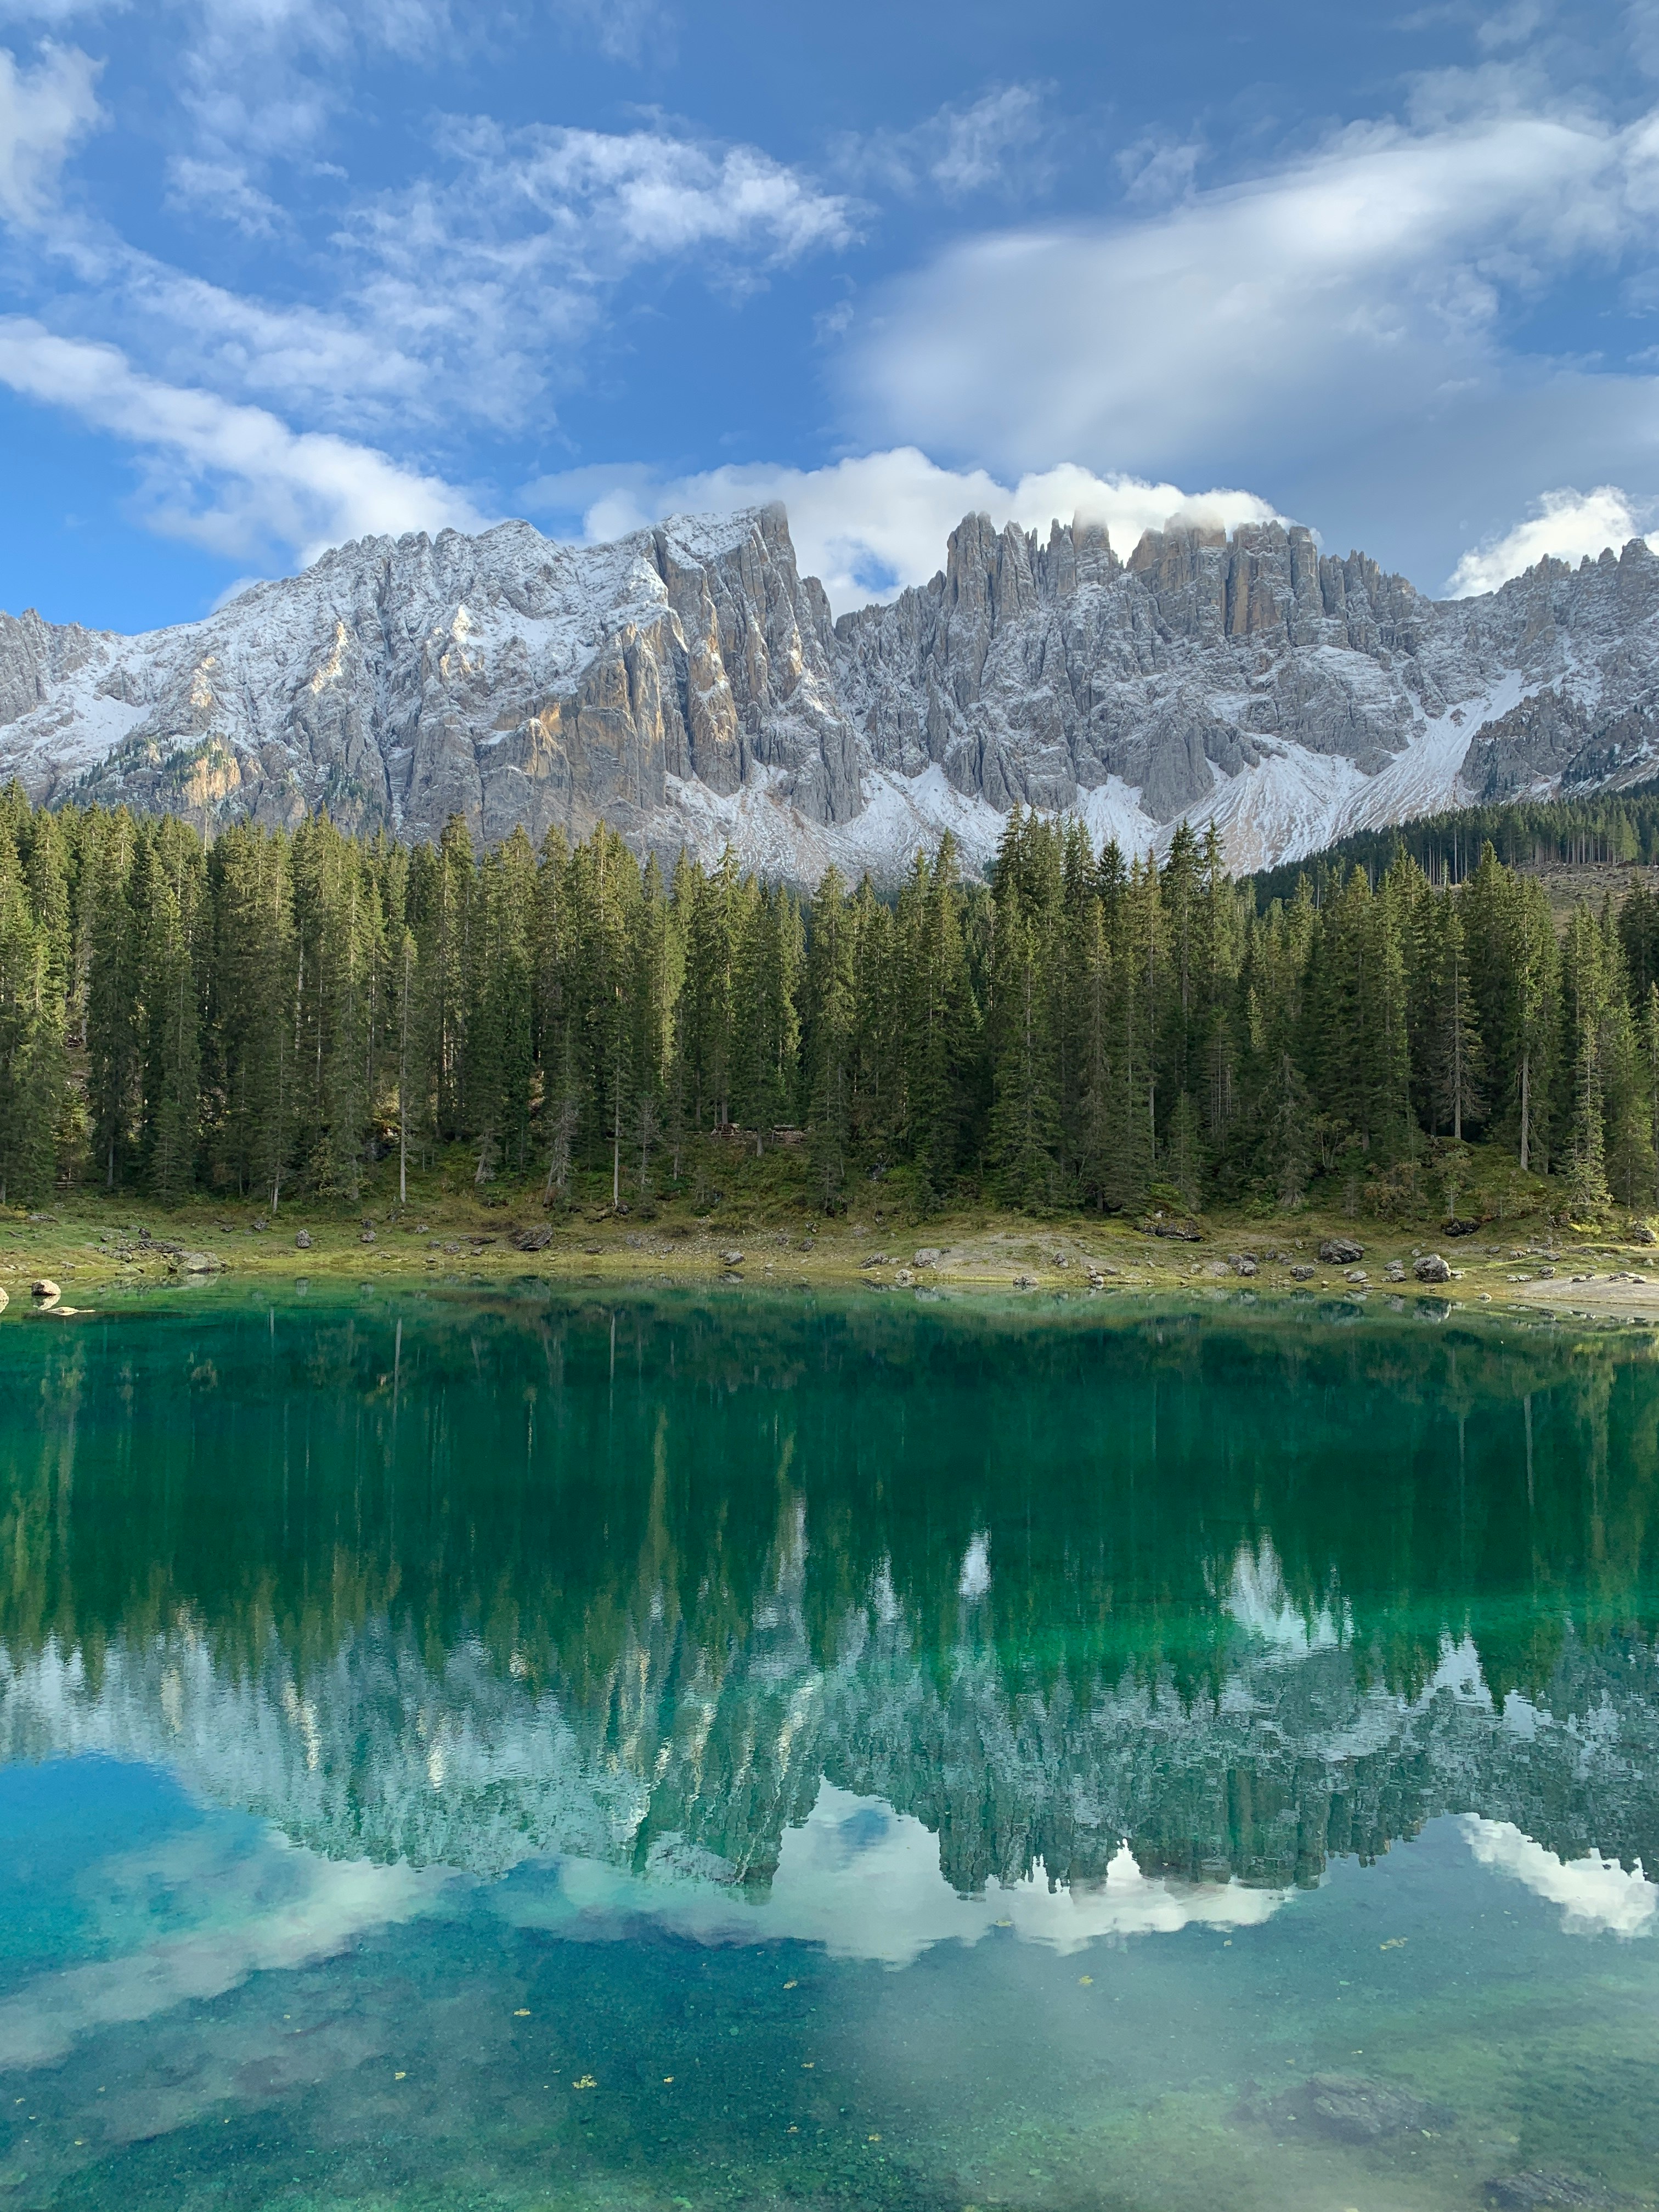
(540, 1750)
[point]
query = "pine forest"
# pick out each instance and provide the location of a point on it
(276, 1015)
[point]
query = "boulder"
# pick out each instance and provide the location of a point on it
(1244, 1263)
(1540, 2191)
(201, 1263)
(929, 1256)
(44, 1287)
(1355, 2109)
(1432, 1269)
(1303, 1273)
(731, 1259)
(534, 1239)
(302, 1240)
(1340, 1251)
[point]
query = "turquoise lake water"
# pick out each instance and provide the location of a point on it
(527, 1751)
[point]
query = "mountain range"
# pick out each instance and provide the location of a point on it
(689, 686)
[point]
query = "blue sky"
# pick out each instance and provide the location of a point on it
(277, 273)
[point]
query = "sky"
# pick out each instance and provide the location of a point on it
(277, 274)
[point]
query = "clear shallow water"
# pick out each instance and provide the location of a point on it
(499, 1751)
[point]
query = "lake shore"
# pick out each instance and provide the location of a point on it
(89, 1246)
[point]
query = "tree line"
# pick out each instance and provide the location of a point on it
(272, 1014)
(1603, 830)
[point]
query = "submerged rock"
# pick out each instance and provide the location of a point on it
(1537, 2192)
(1355, 2108)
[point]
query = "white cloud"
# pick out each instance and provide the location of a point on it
(1597, 1896)
(534, 232)
(602, 201)
(234, 479)
(1157, 169)
(1359, 288)
(43, 111)
(998, 141)
(223, 189)
(623, 30)
(262, 78)
(1568, 525)
(58, 11)
(867, 528)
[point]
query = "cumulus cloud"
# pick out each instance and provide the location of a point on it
(1359, 288)
(231, 477)
(869, 526)
(1568, 525)
(1597, 1896)
(43, 112)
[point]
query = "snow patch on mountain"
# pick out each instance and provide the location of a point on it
(688, 685)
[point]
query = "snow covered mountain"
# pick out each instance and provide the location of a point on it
(689, 686)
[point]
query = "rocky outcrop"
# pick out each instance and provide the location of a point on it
(504, 679)
(688, 685)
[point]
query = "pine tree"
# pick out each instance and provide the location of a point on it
(32, 1073)
(113, 1024)
(169, 899)
(828, 1039)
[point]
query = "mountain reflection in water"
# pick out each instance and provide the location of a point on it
(463, 1584)
(538, 1756)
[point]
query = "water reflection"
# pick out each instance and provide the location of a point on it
(495, 1641)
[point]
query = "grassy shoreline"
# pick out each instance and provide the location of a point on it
(91, 1243)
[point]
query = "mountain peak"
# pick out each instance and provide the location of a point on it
(686, 684)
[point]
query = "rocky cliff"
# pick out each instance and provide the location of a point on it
(688, 685)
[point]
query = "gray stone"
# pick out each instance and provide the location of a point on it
(302, 1240)
(1340, 1251)
(1432, 1269)
(929, 1256)
(1359, 2109)
(1540, 2191)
